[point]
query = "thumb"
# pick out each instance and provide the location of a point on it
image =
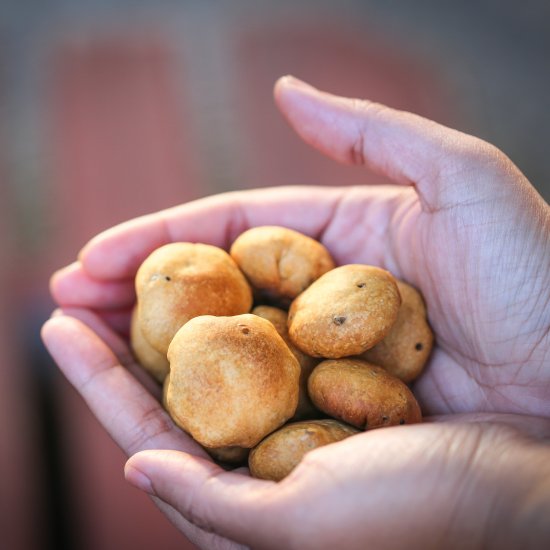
(407, 148)
(225, 503)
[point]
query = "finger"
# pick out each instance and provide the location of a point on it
(217, 220)
(352, 222)
(217, 501)
(533, 426)
(132, 416)
(196, 535)
(407, 148)
(72, 286)
(105, 333)
(116, 344)
(118, 320)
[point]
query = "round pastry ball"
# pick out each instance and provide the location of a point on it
(180, 281)
(280, 262)
(404, 351)
(361, 394)
(233, 380)
(279, 453)
(345, 312)
(278, 318)
(148, 357)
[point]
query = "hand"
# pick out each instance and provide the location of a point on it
(464, 226)
(420, 486)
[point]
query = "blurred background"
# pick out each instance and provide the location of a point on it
(112, 109)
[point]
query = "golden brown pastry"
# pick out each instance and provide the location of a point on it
(361, 394)
(280, 262)
(345, 312)
(278, 318)
(233, 380)
(279, 453)
(180, 281)
(150, 359)
(404, 351)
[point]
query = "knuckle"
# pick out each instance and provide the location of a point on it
(483, 155)
(366, 110)
(357, 150)
(153, 423)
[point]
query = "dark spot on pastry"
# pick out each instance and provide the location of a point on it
(418, 346)
(361, 285)
(245, 330)
(167, 278)
(339, 320)
(402, 421)
(385, 419)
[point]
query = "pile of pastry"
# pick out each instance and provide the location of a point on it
(269, 351)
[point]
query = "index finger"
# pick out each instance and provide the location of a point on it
(117, 253)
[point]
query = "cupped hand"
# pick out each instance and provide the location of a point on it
(462, 224)
(459, 484)
(454, 480)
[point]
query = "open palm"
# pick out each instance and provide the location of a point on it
(463, 225)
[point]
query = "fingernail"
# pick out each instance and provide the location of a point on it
(138, 479)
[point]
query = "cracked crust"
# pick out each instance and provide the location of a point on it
(280, 262)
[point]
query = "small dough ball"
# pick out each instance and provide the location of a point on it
(280, 262)
(180, 281)
(345, 312)
(149, 358)
(279, 453)
(233, 380)
(405, 349)
(278, 318)
(229, 455)
(361, 394)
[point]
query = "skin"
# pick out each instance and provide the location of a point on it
(461, 224)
